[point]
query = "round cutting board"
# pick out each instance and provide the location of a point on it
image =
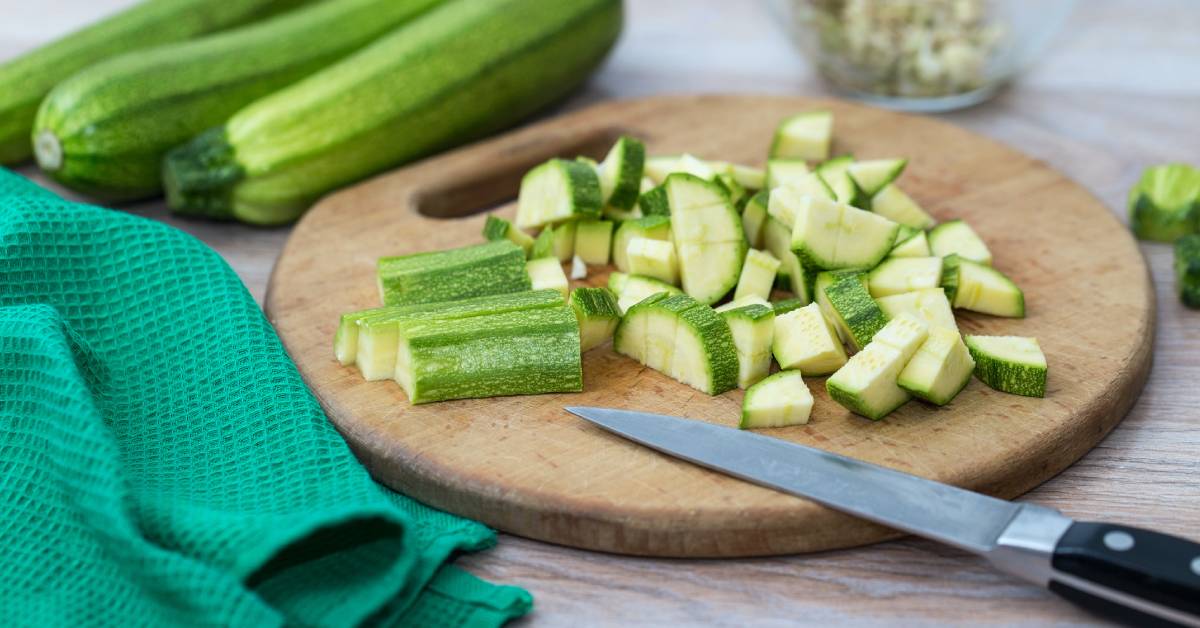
(525, 466)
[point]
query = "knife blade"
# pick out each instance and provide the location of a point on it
(1129, 574)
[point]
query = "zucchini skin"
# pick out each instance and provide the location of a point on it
(25, 80)
(460, 72)
(1187, 270)
(105, 130)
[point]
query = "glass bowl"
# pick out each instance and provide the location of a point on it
(922, 55)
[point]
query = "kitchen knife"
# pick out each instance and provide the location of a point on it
(1129, 574)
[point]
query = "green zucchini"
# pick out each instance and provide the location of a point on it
(653, 227)
(891, 202)
(785, 172)
(459, 72)
(558, 190)
(825, 279)
(777, 240)
(929, 305)
(1010, 364)
(496, 228)
(940, 369)
(758, 275)
(898, 275)
(25, 80)
(596, 310)
(633, 289)
(1164, 205)
(682, 338)
(708, 236)
(872, 175)
(752, 327)
(1187, 270)
(854, 310)
(471, 271)
(956, 237)
(104, 131)
(805, 340)
(653, 258)
(833, 235)
(547, 274)
(621, 173)
(804, 136)
(516, 353)
(564, 241)
(593, 241)
(783, 306)
(981, 288)
(543, 245)
(754, 218)
(867, 384)
(780, 400)
(915, 245)
(654, 202)
(835, 173)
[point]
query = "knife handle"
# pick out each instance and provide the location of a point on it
(1132, 575)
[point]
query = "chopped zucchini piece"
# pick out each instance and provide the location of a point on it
(929, 305)
(647, 185)
(746, 176)
(955, 237)
(940, 369)
(543, 244)
(892, 203)
(805, 340)
(950, 276)
(654, 202)
(737, 193)
(471, 271)
(621, 173)
(621, 215)
(1164, 205)
(784, 306)
(1187, 270)
(653, 227)
(682, 338)
(754, 217)
(758, 275)
(785, 209)
(708, 237)
(596, 311)
(872, 175)
(617, 281)
(866, 385)
(824, 280)
(904, 274)
(660, 166)
(690, 164)
(752, 327)
(916, 245)
(564, 241)
(785, 171)
(777, 240)
(983, 289)
(780, 400)
(1010, 364)
(653, 258)
(632, 289)
(832, 235)
(497, 228)
(514, 353)
(593, 241)
(804, 136)
(743, 302)
(854, 310)
(558, 190)
(834, 173)
(547, 274)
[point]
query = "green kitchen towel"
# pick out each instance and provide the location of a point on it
(162, 463)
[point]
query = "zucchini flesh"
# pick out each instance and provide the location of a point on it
(805, 340)
(777, 240)
(621, 173)
(866, 385)
(516, 353)
(804, 136)
(104, 130)
(543, 245)
(955, 237)
(596, 311)
(682, 338)
(981, 288)
(854, 309)
(593, 241)
(754, 217)
(547, 274)
(471, 271)
(1187, 270)
(653, 258)
(708, 237)
(652, 227)
(940, 369)
(25, 80)
(904, 274)
(752, 327)
(1164, 205)
(558, 190)
(758, 275)
(824, 280)
(891, 202)
(917, 245)
(564, 241)
(832, 235)
(870, 176)
(834, 173)
(786, 172)
(784, 210)
(1010, 364)
(632, 289)
(929, 305)
(497, 228)
(780, 400)
(461, 71)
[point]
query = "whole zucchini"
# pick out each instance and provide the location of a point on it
(461, 71)
(105, 130)
(25, 80)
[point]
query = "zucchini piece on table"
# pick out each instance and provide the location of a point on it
(682, 338)
(747, 176)
(653, 258)
(1011, 364)
(496, 228)
(866, 385)
(558, 190)
(621, 173)
(784, 210)
(632, 289)
(514, 353)
(805, 340)
(652, 227)
(904, 274)
(659, 167)
(914, 244)
(596, 311)
(786, 172)
(547, 274)
(804, 136)
(940, 369)
(825, 279)
(742, 302)
(956, 237)
(1187, 270)
(832, 235)
(564, 241)
(543, 244)
(754, 217)
(653, 202)
(777, 240)
(708, 237)
(891, 202)
(752, 327)
(593, 241)
(854, 310)
(758, 275)
(929, 305)
(780, 400)
(835, 173)
(471, 271)
(1164, 205)
(981, 288)
(872, 175)
(784, 306)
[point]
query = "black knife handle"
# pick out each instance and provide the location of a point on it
(1112, 569)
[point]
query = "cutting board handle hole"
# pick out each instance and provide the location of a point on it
(493, 178)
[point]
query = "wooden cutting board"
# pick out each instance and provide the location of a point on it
(523, 465)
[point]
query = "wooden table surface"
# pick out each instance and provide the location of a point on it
(1117, 92)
